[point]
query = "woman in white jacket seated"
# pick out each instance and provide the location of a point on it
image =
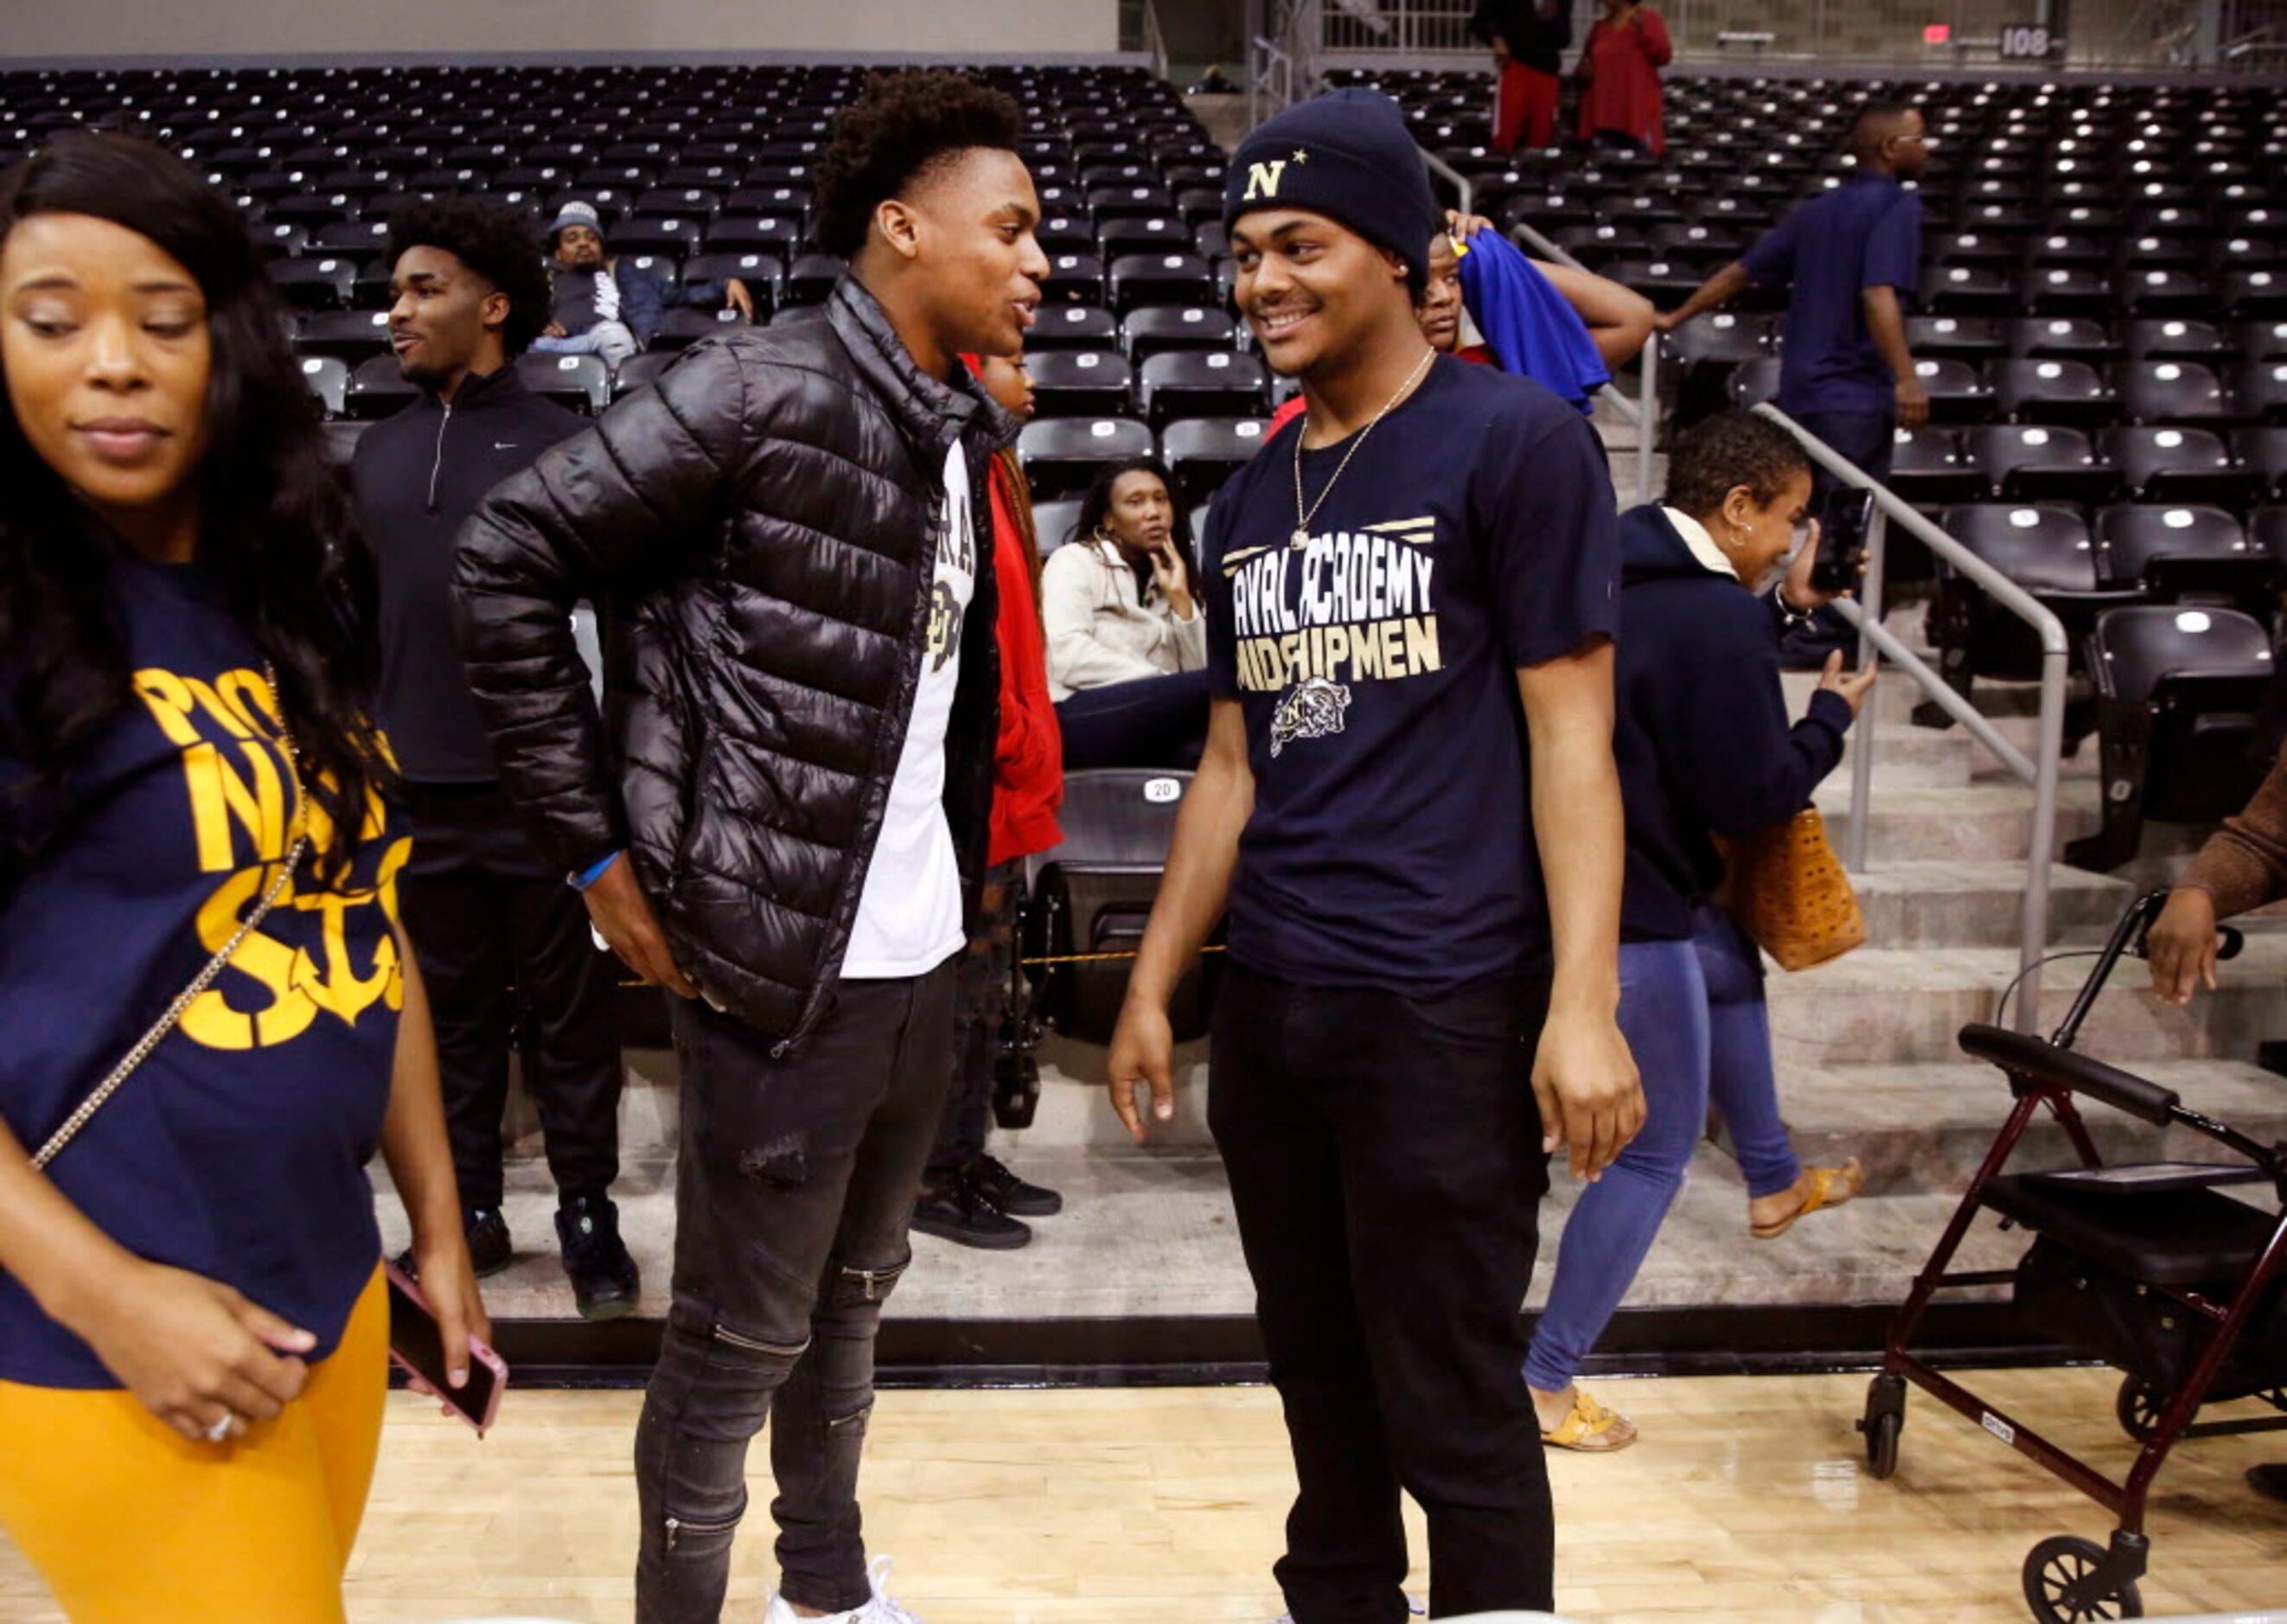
(1126, 628)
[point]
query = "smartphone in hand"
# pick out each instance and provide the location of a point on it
(418, 1344)
(1844, 517)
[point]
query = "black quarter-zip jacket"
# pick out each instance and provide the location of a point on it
(418, 475)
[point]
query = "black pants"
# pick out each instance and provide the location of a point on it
(795, 1182)
(981, 996)
(1152, 722)
(505, 951)
(1386, 1166)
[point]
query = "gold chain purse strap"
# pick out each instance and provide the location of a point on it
(205, 979)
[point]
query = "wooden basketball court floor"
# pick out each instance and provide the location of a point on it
(1747, 1499)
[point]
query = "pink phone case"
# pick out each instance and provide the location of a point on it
(478, 1351)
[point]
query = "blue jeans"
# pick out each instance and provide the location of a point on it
(1694, 1015)
(610, 340)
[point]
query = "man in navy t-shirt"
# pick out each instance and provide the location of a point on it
(1847, 258)
(1411, 601)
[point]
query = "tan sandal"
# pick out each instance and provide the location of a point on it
(1818, 1187)
(1591, 1429)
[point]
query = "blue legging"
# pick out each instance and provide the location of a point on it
(1694, 1015)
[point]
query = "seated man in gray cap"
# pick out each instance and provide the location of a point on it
(612, 307)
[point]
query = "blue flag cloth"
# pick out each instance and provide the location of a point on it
(1526, 322)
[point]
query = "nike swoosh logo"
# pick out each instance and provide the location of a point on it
(503, 445)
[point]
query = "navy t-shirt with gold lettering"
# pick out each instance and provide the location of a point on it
(1474, 532)
(237, 1150)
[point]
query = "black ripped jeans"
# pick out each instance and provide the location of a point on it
(794, 1181)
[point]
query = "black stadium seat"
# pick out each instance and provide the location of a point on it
(641, 372)
(329, 380)
(580, 382)
(2173, 464)
(1202, 383)
(1082, 383)
(684, 327)
(2177, 691)
(2171, 391)
(2034, 464)
(1054, 522)
(377, 388)
(1157, 329)
(1927, 468)
(314, 284)
(2174, 551)
(1072, 326)
(2052, 391)
(1204, 452)
(2045, 548)
(352, 334)
(1093, 893)
(1060, 457)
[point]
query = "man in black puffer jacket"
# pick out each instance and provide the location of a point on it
(792, 532)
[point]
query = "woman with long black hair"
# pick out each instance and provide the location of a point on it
(1128, 648)
(208, 1018)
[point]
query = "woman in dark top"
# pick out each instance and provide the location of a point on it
(193, 1331)
(1703, 748)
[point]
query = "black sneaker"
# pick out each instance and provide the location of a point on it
(1010, 1193)
(2270, 1480)
(489, 1249)
(604, 1280)
(956, 1209)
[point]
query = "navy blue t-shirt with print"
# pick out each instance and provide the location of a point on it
(1866, 233)
(1475, 531)
(237, 1150)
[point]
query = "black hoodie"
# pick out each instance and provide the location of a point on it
(418, 475)
(1702, 739)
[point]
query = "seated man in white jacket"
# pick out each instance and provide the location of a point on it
(1126, 634)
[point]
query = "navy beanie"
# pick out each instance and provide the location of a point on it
(1348, 155)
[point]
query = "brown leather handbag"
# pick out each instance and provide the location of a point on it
(1790, 894)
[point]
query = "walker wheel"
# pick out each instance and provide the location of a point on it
(2139, 1408)
(1882, 1445)
(2061, 1586)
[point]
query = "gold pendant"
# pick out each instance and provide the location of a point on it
(1302, 537)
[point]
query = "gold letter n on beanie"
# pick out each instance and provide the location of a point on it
(1262, 180)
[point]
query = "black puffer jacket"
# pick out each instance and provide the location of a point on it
(763, 523)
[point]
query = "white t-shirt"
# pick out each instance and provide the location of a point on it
(909, 915)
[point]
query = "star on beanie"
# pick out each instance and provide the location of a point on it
(1348, 155)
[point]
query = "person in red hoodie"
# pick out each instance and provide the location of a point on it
(1619, 66)
(968, 1196)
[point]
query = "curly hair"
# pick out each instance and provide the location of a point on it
(276, 526)
(898, 128)
(1727, 451)
(496, 241)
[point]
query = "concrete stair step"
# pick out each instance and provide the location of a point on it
(1975, 823)
(1901, 1005)
(1151, 1234)
(1925, 1128)
(1945, 903)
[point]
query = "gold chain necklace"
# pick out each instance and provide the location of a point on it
(1303, 516)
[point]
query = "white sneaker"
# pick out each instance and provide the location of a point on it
(1414, 1605)
(881, 1610)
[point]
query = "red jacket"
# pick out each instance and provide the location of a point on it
(1028, 781)
(1623, 91)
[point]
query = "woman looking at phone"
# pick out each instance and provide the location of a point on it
(198, 912)
(1127, 644)
(1705, 749)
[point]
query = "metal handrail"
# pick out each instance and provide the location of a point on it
(1875, 640)
(1266, 59)
(1645, 410)
(1155, 40)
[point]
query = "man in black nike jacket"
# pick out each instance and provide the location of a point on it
(503, 942)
